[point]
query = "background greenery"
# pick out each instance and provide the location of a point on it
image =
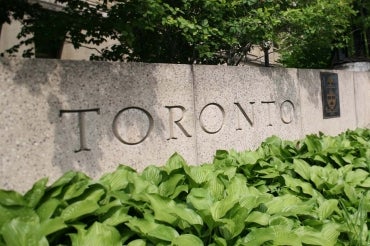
(306, 33)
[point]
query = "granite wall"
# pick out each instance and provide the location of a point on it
(91, 116)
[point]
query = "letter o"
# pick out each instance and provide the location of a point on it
(282, 111)
(202, 125)
(115, 128)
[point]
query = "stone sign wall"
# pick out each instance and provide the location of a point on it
(91, 116)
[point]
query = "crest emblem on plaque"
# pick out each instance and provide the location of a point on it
(330, 95)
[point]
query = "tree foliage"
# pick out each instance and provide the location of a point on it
(193, 31)
(314, 31)
(361, 30)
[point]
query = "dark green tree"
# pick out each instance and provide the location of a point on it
(359, 47)
(313, 30)
(193, 31)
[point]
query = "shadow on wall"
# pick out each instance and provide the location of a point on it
(66, 93)
(284, 81)
(312, 85)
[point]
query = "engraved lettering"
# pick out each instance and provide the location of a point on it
(116, 120)
(203, 125)
(268, 110)
(177, 122)
(287, 107)
(250, 121)
(81, 125)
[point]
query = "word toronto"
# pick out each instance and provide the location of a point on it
(285, 108)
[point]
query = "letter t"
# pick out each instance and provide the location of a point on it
(81, 125)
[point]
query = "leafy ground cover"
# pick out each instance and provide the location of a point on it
(309, 192)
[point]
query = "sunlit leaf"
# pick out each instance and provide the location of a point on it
(258, 218)
(302, 168)
(175, 162)
(11, 198)
(79, 209)
(137, 242)
(151, 229)
(47, 209)
(98, 234)
(118, 179)
(186, 240)
(168, 187)
(119, 216)
(34, 195)
(152, 174)
(23, 231)
(327, 208)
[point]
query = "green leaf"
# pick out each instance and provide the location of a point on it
(234, 224)
(186, 240)
(11, 198)
(98, 234)
(219, 241)
(168, 187)
(200, 198)
(299, 185)
(34, 195)
(258, 218)
(65, 179)
(313, 144)
(200, 174)
(93, 193)
(137, 242)
(326, 237)
(161, 208)
(23, 231)
(285, 204)
(302, 168)
(356, 177)
(77, 180)
(79, 209)
(119, 216)
(232, 227)
(9, 213)
(220, 208)
(178, 190)
(50, 226)
(337, 159)
(148, 228)
(47, 209)
(119, 179)
(237, 187)
(76, 189)
(139, 186)
(174, 163)
(348, 158)
(248, 158)
(351, 193)
(278, 234)
(106, 207)
(318, 176)
(167, 210)
(216, 187)
(152, 174)
(365, 183)
(326, 208)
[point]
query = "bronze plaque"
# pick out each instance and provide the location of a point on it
(330, 95)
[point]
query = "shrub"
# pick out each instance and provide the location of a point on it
(309, 192)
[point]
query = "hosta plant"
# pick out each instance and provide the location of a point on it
(314, 191)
